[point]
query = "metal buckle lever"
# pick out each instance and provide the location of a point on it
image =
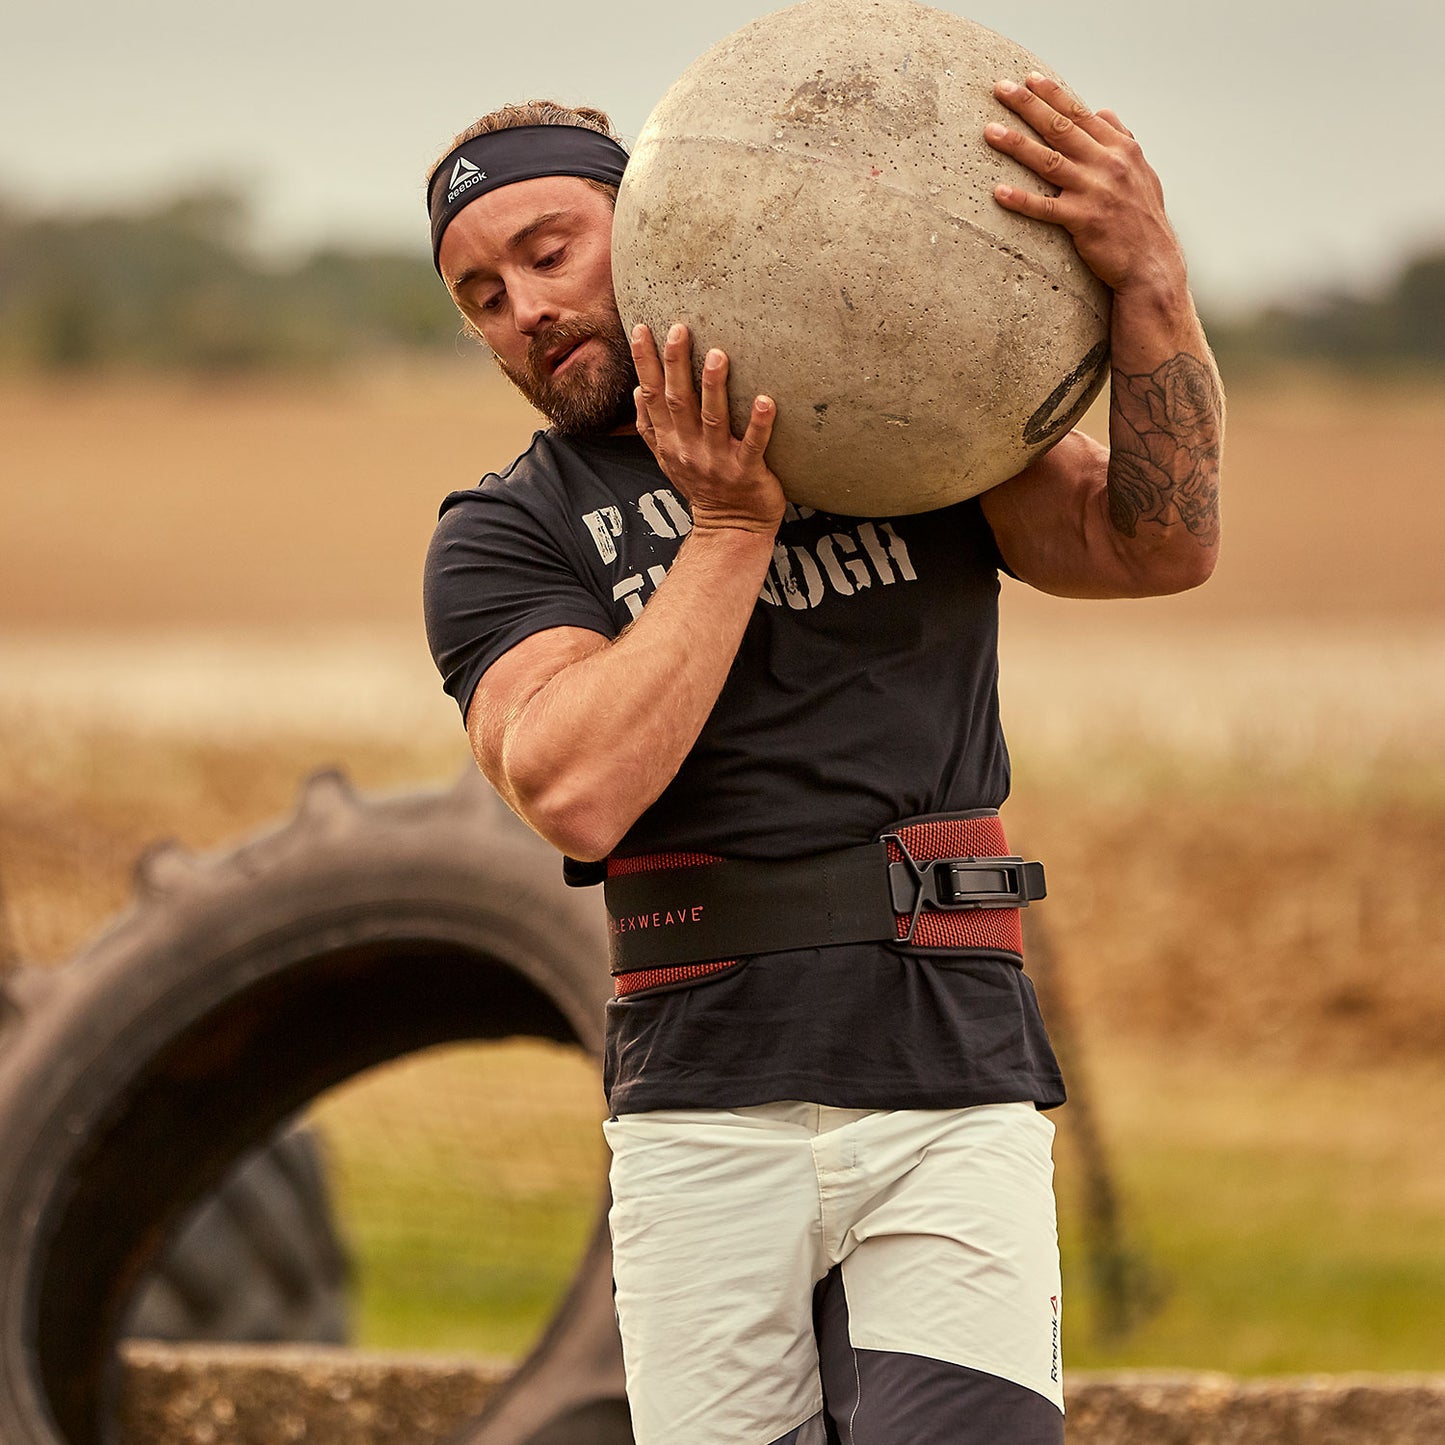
(943, 883)
(953, 883)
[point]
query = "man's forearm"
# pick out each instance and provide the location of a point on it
(1166, 430)
(596, 745)
(1158, 517)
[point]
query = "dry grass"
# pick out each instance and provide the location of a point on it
(79, 803)
(1283, 927)
(1358, 711)
(1278, 914)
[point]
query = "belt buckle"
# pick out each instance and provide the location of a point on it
(952, 885)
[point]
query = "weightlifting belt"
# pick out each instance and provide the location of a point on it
(943, 882)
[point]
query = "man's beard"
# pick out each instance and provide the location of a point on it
(593, 396)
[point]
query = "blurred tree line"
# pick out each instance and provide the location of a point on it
(179, 287)
(1399, 327)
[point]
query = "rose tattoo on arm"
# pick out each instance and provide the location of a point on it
(1164, 432)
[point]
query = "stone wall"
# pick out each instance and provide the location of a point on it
(1194, 1409)
(253, 1395)
(276, 1394)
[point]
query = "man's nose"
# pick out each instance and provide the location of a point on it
(533, 307)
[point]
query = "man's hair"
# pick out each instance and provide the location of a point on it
(534, 112)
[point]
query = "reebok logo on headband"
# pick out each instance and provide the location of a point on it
(464, 174)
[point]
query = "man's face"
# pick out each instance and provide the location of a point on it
(530, 266)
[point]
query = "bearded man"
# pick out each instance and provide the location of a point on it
(775, 732)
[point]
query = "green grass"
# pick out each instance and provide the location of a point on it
(467, 1181)
(1285, 1233)
(1261, 1273)
(470, 1285)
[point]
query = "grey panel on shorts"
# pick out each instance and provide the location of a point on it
(812, 1431)
(878, 1397)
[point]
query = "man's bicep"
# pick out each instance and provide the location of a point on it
(1051, 522)
(511, 682)
(494, 578)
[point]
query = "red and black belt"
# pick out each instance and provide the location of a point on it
(940, 883)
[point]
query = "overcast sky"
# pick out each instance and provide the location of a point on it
(1299, 143)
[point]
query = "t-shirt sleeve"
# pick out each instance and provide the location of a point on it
(494, 577)
(990, 542)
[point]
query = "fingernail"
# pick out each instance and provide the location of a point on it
(995, 130)
(639, 332)
(715, 357)
(765, 403)
(1007, 86)
(1003, 192)
(676, 333)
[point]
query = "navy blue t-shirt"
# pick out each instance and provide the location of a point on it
(864, 692)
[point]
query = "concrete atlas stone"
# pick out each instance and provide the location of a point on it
(815, 196)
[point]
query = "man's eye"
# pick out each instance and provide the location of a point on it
(551, 259)
(490, 303)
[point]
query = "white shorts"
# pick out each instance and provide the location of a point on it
(796, 1273)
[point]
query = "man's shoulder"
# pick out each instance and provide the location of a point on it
(532, 471)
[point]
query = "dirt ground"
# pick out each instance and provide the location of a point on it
(143, 505)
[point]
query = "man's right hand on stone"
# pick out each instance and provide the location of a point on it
(725, 479)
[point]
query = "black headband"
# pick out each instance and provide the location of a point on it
(522, 153)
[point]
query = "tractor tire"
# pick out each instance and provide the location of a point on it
(256, 1262)
(236, 989)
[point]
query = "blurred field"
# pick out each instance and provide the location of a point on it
(278, 503)
(1240, 794)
